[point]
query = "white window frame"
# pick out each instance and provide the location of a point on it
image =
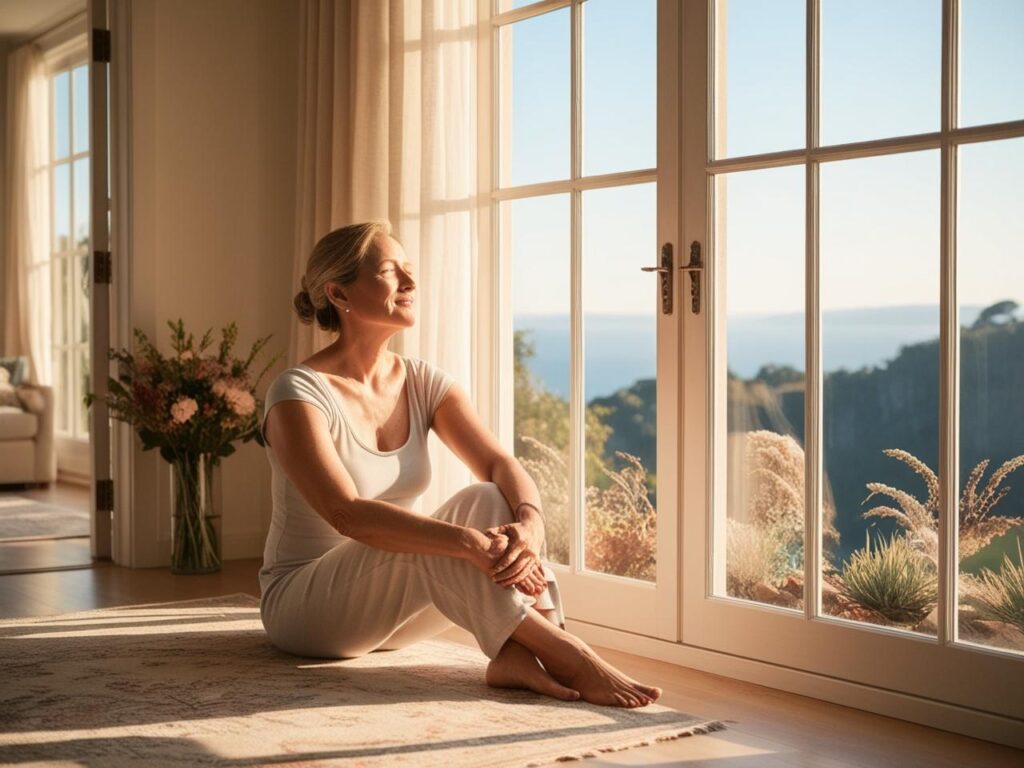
(714, 632)
(982, 683)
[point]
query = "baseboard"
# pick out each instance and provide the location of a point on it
(934, 714)
(73, 478)
(242, 545)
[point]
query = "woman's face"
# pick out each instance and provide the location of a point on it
(384, 291)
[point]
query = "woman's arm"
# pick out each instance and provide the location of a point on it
(384, 525)
(299, 436)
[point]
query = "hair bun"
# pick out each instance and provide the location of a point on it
(304, 305)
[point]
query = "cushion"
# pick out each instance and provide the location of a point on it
(8, 395)
(16, 367)
(16, 424)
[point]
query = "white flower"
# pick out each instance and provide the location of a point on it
(184, 409)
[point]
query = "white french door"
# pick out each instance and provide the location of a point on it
(854, 174)
(585, 195)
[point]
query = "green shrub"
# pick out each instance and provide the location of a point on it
(894, 579)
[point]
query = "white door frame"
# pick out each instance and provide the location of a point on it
(649, 608)
(101, 535)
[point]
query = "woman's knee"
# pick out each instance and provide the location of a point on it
(481, 505)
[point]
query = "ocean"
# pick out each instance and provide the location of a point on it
(620, 349)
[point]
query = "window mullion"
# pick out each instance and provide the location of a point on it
(949, 516)
(812, 350)
(577, 416)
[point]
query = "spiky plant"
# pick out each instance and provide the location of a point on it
(893, 579)
(921, 519)
(999, 596)
(774, 480)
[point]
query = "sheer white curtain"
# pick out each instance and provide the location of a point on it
(27, 324)
(388, 128)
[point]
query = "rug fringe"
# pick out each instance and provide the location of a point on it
(693, 730)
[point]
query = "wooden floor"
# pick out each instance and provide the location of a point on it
(766, 727)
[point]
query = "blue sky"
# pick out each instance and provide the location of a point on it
(880, 77)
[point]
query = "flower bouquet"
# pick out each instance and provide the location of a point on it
(192, 407)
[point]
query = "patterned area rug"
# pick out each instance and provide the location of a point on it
(22, 518)
(197, 682)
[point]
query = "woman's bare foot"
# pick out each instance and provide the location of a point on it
(575, 665)
(516, 667)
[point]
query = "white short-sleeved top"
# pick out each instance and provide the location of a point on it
(298, 533)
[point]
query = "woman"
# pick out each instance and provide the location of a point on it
(348, 567)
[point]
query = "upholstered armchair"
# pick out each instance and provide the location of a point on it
(27, 450)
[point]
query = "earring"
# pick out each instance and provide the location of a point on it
(347, 309)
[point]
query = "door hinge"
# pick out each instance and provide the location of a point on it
(104, 495)
(101, 46)
(101, 267)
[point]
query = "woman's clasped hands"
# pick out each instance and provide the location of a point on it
(511, 558)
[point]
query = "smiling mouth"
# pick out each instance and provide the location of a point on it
(404, 302)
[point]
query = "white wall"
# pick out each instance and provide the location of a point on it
(213, 131)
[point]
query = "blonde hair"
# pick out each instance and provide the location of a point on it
(336, 258)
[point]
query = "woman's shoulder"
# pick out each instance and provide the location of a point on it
(425, 369)
(432, 381)
(296, 382)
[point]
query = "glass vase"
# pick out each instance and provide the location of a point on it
(195, 513)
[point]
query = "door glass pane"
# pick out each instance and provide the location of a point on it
(759, 76)
(880, 365)
(991, 50)
(80, 82)
(81, 203)
(63, 306)
(880, 69)
(82, 331)
(62, 207)
(61, 115)
(63, 386)
(990, 291)
(759, 238)
(620, 306)
(84, 386)
(535, 237)
(619, 85)
(534, 62)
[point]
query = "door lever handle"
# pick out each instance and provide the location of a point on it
(665, 270)
(695, 267)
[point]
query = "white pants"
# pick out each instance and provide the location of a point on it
(355, 599)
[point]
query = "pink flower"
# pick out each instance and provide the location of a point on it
(239, 400)
(184, 409)
(186, 355)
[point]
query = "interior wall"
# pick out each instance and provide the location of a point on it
(213, 159)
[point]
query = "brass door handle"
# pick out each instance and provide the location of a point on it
(665, 270)
(695, 267)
